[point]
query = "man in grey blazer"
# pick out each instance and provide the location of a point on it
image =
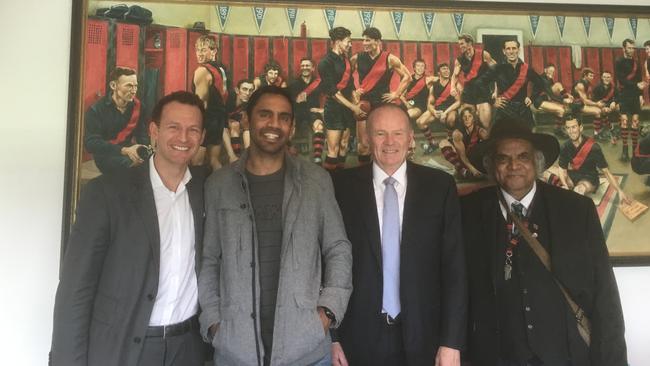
(276, 269)
(128, 288)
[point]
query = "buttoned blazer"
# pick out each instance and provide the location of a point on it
(579, 261)
(109, 276)
(432, 265)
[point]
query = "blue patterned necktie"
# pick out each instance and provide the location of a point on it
(517, 211)
(390, 249)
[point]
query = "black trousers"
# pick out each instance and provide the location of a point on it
(181, 350)
(390, 346)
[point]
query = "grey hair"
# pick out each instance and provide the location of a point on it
(539, 161)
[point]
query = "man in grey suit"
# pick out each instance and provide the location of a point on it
(128, 288)
(276, 269)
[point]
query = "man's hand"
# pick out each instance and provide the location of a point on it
(454, 91)
(302, 97)
(641, 85)
(132, 153)
(358, 112)
(213, 329)
(624, 197)
(528, 102)
(389, 97)
(338, 356)
(324, 319)
(447, 357)
(500, 102)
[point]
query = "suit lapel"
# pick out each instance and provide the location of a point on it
(195, 194)
(490, 221)
(368, 206)
(145, 205)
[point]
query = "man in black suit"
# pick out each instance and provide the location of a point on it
(518, 315)
(408, 306)
(128, 288)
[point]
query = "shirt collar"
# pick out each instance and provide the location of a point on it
(378, 175)
(526, 201)
(156, 181)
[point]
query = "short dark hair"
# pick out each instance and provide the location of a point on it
(646, 43)
(440, 66)
(466, 37)
(272, 65)
(120, 71)
(372, 33)
(267, 89)
(626, 41)
(586, 71)
(571, 117)
(306, 59)
(240, 82)
(181, 96)
(418, 60)
(339, 33)
(605, 72)
(511, 40)
(550, 65)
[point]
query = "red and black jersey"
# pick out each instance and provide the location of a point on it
(604, 93)
(418, 92)
(381, 86)
(586, 86)
(442, 94)
(470, 138)
(335, 74)
(218, 94)
(473, 68)
(628, 74)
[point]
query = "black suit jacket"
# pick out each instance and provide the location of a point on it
(109, 277)
(432, 265)
(579, 260)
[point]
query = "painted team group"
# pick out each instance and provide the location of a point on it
(273, 261)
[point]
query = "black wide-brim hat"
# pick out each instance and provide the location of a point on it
(513, 129)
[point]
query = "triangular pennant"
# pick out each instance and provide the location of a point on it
(367, 18)
(428, 18)
(330, 17)
(259, 12)
(586, 22)
(560, 20)
(223, 11)
(534, 24)
(609, 22)
(458, 21)
(634, 24)
(292, 14)
(398, 19)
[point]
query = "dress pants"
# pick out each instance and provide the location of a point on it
(186, 349)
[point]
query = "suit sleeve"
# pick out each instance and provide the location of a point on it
(454, 276)
(82, 265)
(607, 327)
(336, 253)
(208, 283)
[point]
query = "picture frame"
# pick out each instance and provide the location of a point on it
(250, 34)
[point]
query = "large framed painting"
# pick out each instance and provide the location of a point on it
(126, 55)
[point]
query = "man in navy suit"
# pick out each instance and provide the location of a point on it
(408, 306)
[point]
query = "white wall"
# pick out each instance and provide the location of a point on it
(34, 58)
(34, 41)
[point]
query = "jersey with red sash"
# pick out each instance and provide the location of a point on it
(473, 67)
(127, 131)
(628, 74)
(604, 93)
(586, 87)
(218, 79)
(472, 138)
(442, 94)
(336, 74)
(417, 92)
(581, 155)
(374, 75)
(582, 162)
(517, 85)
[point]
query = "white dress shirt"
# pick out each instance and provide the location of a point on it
(177, 297)
(378, 177)
(526, 201)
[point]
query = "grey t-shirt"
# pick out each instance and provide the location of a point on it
(267, 192)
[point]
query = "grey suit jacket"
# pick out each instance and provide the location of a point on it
(109, 276)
